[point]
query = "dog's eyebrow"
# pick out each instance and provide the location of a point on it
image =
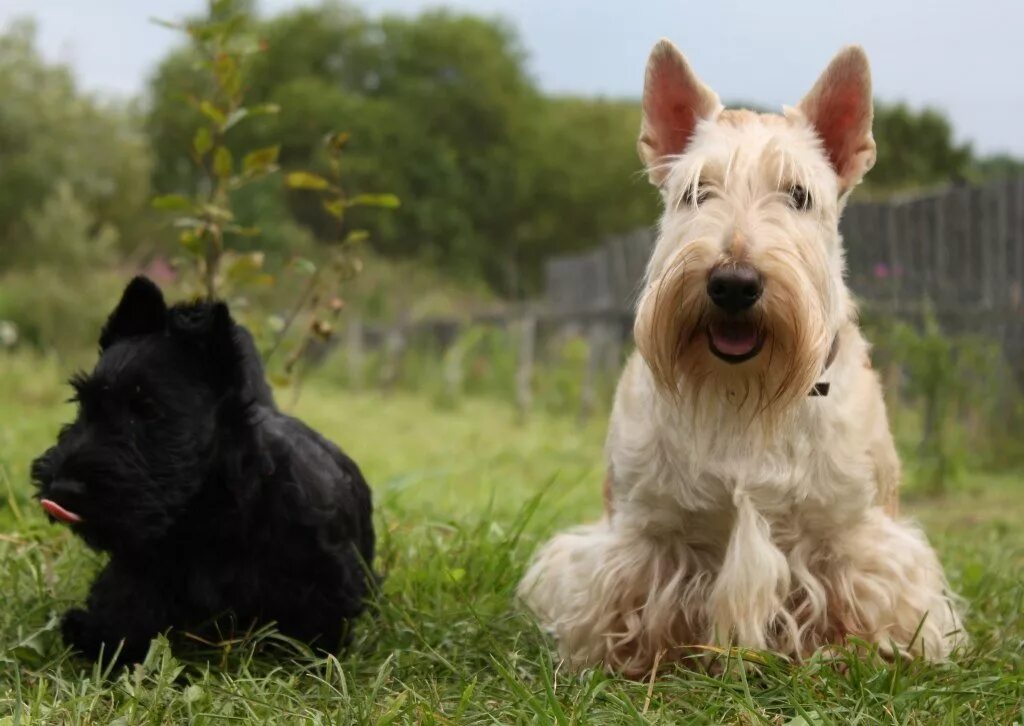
(88, 387)
(81, 382)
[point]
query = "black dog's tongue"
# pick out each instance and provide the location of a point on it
(58, 512)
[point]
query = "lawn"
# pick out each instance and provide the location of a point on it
(463, 497)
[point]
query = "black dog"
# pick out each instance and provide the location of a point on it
(210, 501)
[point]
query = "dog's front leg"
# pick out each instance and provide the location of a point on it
(886, 586)
(614, 596)
(747, 601)
(124, 611)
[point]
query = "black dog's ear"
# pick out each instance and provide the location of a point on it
(225, 359)
(141, 311)
(209, 330)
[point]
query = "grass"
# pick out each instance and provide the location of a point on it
(463, 497)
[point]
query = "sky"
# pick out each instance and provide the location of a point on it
(966, 58)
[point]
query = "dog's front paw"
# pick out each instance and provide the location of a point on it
(84, 633)
(79, 632)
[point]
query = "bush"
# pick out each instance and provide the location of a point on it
(953, 399)
(52, 134)
(63, 234)
(59, 311)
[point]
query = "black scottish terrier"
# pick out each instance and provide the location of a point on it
(211, 502)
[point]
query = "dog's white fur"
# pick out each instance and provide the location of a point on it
(739, 509)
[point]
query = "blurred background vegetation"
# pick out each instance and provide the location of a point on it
(493, 175)
(377, 196)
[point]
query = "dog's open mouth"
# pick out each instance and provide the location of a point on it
(734, 341)
(59, 513)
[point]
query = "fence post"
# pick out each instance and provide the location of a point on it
(354, 354)
(1017, 241)
(452, 363)
(524, 368)
(1001, 230)
(939, 256)
(986, 243)
(923, 267)
(891, 238)
(600, 348)
(394, 348)
(588, 394)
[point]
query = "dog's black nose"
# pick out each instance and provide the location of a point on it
(735, 288)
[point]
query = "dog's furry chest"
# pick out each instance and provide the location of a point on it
(674, 471)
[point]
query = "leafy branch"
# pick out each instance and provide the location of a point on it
(322, 301)
(206, 220)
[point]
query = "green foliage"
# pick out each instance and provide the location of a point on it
(57, 146)
(224, 46)
(62, 234)
(339, 264)
(482, 361)
(559, 386)
(958, 394)
(463, 498)
(915, 149)
(587, 179)
(934, 379)
(492, 176)
(59, 309)
(998, 166)
(74, 178)
(486, 358)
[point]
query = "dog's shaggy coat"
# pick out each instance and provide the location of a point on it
(739, 508)
(210, 501)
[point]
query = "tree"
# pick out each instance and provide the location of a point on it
(493, 177)
(997, 166)
(589, 182)
(209, 228)
(915, 149)
(56, 142)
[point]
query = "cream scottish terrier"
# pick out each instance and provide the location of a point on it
(751, 490)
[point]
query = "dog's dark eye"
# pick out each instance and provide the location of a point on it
(799, 197)
(695, 197)
(143, 406)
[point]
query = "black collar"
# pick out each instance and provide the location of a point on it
(821, 388)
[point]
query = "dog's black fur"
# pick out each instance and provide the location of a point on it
(210, 501)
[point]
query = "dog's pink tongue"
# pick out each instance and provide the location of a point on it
(58, 512)
(734, 338)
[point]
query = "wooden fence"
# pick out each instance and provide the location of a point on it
(960, 249)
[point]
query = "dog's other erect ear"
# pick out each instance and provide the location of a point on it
(141, 311)
(224, 357)
(675, 100)
(840, 109)
(209, 330)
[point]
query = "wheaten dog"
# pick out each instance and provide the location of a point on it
(751, 492)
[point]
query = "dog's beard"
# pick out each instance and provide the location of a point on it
(120, 501)
(671, 333)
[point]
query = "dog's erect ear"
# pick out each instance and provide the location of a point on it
(141, 311)
(840, 109)
(207, 328)
(675, 100)
(225, 358)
